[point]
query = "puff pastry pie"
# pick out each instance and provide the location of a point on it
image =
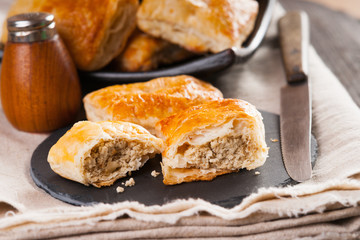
(144, 53)
(148, 102)
(199, 25)
(94, 31)
(211, 139)
(100, 153)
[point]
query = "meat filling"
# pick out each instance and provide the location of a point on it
(230, 152)
(111, 160)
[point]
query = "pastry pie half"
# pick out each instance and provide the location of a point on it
(199, 25)
(144, 53)
(148, 102)
(99, 153)
(94, 31)
(212, 139)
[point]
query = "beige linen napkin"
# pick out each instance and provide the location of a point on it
(324, 207)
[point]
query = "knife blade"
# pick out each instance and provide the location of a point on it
(295, 106)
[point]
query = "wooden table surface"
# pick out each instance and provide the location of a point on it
(336, 37)
(351, 7)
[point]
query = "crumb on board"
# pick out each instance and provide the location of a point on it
(274, 139)
(120, 189)
(122, 183)
(129, 173)
(130, 182)
(257, 173)
(154, 173)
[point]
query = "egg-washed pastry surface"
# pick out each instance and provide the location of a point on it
(199, 25)
(94, 31)
(99, 153)
(148, 102)
(144, 53)
(211, 139)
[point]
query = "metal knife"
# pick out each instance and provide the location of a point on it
(295, 113)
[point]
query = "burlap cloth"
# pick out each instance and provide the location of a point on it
(325, 207)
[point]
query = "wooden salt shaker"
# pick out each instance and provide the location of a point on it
(40, 89)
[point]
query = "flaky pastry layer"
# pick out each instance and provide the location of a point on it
(144, 53)
(148, 102)
(199, 25)
(94, 31)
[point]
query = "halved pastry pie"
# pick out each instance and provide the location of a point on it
(144, 53)
(211, 139)
(100, 153)
(201, 25)
(148, 102)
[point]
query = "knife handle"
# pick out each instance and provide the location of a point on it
(294, 41)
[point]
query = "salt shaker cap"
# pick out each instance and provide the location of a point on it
(31, 27)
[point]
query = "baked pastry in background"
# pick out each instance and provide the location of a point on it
(212, 139)
(100, 153)
(94, 31)
(201, 25)
(148, 102)
(144, 53)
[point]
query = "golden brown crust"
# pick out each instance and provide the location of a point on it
(201, 25)
(94, 31)
(217, 112)
(67, 156)
(174, 176)
(148, 102)
(144, 53)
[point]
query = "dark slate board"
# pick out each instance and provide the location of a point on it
(226, 191)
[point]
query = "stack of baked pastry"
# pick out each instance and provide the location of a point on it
(199, 133)
(140, 37)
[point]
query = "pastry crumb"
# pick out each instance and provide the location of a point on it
(120, 189)
(274, 139)
(257, 173)
(122, 183)
(130, 182)
(129, 173)
(154, 173)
